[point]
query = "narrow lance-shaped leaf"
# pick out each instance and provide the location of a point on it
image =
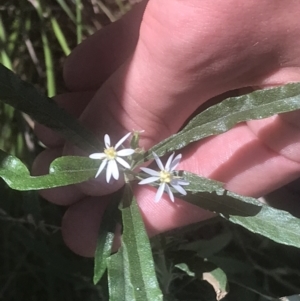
(120, 289)
(132, 267)
(106, 237)
(248, 212)
(225, 115)
(25, 97)
(211, 195)
(275, 224)
(63, 171)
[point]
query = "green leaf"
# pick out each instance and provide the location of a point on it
(247, 212)
(103, 250)
(26, 98)
(218, 280)
(131, 271)
(242, 273)
(185, 268)
(120, 289)
(275, 224)
(106, 238)
(225, 115)
(211, 195)
(63, 171)
(196, 266)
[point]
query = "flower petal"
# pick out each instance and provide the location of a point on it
(169, 162)
(158, 162)
(179, 189)
(148, 180)
(108, 172)
(114, 169)
(103, 163)
(125, 152)
(122, 140)
(175, 162)
(107, 141)
(97, 156)
(123, 162)
(150, 171)
(159, 192)
(170, 193)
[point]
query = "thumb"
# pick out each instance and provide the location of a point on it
(167, 77)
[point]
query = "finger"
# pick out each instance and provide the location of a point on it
(93, 61)
(67, 195)
(280, 134)
(238, 158)
(242, 160)
(81, 222)
(151, 88)
(80, 225)
(62, 195)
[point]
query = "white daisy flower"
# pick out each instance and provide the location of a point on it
(111, 156)
(165, 176)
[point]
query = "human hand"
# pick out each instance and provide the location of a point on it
(188, 53)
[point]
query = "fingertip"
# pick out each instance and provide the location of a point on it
(80, 225)
(47, 136)
(166, 215)
(96, 186)
(65, 196)
(43, 160)
(61, 195)
(81, 222)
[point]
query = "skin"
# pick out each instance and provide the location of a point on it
(171, 56)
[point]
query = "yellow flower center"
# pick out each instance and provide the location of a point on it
(110, 153)
(165, 176)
